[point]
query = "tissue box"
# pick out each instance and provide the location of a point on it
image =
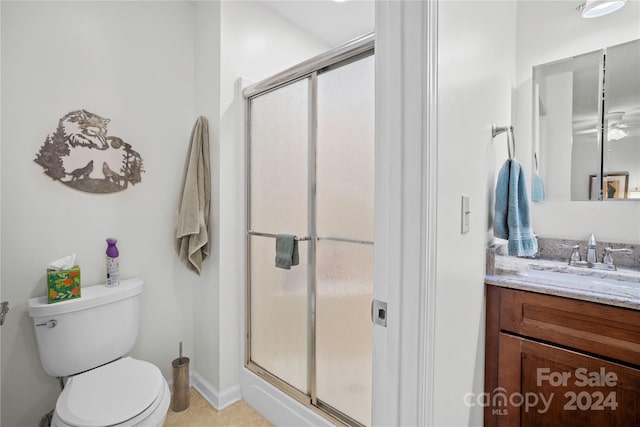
(63, 285)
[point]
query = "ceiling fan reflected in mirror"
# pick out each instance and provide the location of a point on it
(615, 130)
(616, 127)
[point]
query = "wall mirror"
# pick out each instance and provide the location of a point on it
(586, 125)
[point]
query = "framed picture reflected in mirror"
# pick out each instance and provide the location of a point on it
(615, 185)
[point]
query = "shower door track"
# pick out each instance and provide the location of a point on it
(351, 51)
(342, 55)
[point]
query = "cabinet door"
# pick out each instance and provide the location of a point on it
(542, 385)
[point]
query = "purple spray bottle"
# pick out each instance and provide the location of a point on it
(113, 278)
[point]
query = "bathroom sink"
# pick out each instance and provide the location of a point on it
(593, 283)
(566, 277)
(618, 287)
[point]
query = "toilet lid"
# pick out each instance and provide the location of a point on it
(109, 395)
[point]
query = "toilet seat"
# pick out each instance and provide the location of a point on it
(122, 393)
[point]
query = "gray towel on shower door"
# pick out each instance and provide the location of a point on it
(286, 251)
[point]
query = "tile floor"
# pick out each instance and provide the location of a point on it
(201, 414)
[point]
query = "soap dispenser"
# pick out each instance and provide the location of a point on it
(113, 278)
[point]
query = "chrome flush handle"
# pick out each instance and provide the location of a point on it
(49, 323)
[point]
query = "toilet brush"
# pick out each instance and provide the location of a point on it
(180, 382)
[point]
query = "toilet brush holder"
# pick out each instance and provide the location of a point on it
(180, 397)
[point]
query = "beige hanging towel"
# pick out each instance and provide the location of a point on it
(192, 228)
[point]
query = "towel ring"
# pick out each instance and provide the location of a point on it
(511, 138)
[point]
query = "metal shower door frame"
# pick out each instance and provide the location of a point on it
(351, 51)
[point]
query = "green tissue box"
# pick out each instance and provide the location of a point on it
(63, 284)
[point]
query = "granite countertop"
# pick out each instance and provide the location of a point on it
(619, 288)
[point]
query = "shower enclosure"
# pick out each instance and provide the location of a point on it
(310, 173)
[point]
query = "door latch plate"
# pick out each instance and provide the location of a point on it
(379, 313)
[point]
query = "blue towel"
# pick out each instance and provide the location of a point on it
(286, 251)
(537, 188)
(512, 220)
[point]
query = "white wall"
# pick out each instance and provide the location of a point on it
(476, 72)
(206, 295)
(132, 62)
(151, 74)
(255, 44)
(548, 31)
(484, 77)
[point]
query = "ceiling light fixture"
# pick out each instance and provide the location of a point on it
(597, 8)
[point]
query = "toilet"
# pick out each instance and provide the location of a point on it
(85, 341)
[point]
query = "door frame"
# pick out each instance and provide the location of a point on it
(405, 211)
(406, 171)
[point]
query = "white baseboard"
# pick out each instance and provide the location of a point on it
(219, 400)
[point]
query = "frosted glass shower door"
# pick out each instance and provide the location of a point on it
(278, 197)
(310, 160)
(345, 186)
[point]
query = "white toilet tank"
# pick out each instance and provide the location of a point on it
(80, 334)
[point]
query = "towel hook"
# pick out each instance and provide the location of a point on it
(511, 138)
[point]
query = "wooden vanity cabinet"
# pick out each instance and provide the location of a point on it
(553, 361)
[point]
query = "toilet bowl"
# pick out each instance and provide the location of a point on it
(127, 392)
(86, 341)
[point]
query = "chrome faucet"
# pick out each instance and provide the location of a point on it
(592, 258)
(591, 261)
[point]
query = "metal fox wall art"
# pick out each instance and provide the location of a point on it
(80, 144)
